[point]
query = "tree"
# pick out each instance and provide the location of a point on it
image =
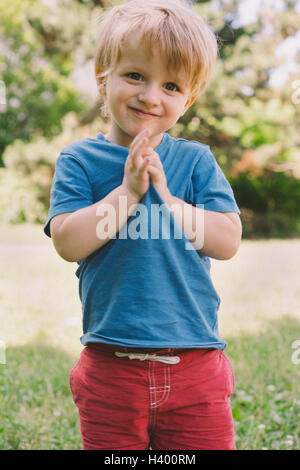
(240, 111)
(39, 42)
(251, 126)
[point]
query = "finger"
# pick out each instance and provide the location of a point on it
(141, 149)
(136, 155)
(154, 173)
(144, 163)
(155, 161)
(157, 158)
(147, 151)
(154, 155)
(144, 168)
(145, 133)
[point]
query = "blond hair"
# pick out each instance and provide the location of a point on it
(183, 37)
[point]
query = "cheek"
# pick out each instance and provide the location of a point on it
(115, 92)
(122, 91)
(176, 109)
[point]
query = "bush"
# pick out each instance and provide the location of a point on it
(20, 200)
(26, 180)
(270, 204)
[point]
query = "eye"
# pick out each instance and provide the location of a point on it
(170, 86)
(135, 76)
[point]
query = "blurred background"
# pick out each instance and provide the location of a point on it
(249, 115)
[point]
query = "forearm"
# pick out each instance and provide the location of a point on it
(86, 230)
(212, 233)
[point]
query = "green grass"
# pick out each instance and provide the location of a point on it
(259, 318)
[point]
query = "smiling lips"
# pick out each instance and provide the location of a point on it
(143, 114)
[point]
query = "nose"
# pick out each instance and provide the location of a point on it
(150, 95)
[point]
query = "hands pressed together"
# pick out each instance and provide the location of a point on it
(141, 162)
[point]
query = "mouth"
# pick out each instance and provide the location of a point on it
(141, 113)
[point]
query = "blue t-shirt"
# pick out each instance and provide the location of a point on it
(144, 291)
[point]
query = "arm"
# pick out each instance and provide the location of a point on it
(78, 234)
(215, 234)
(75, 234)
(219, 233)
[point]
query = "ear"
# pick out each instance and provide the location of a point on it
(188, 104)
(100, 82)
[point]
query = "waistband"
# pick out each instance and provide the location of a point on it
(112, 348)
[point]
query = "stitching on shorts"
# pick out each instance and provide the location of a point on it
(152, 394)
(164, 390)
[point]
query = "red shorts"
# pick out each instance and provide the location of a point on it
(132, 404)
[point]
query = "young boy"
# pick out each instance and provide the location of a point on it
(153, 373)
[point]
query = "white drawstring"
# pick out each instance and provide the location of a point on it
(150, 357)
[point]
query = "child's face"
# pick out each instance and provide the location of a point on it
(142, 93)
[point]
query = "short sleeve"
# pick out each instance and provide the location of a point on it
(210, 186)
(71, 189)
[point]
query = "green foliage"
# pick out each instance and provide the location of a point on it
(20, 201)
(37, 407)
(260, 123)
(26, 180)
(270, 204)
(35, 61)
(252, 129)
(264, 405)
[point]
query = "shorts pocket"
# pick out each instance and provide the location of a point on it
(229, 374)
(75, 382)
(71, 376)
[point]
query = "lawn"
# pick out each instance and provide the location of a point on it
(40, 324)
